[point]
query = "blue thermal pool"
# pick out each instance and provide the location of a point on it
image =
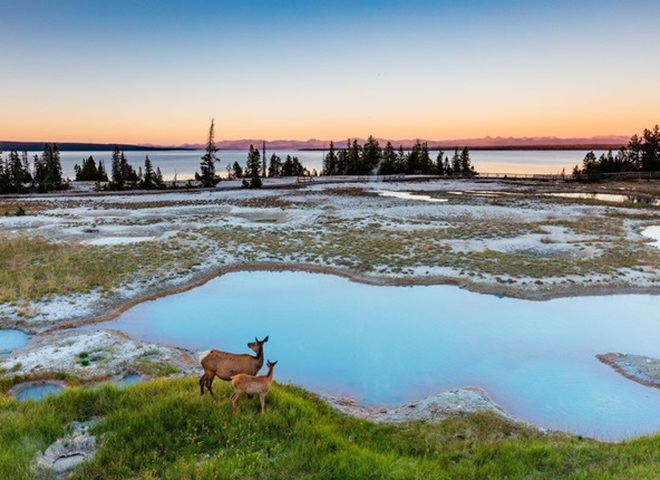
(389, 345)
(35, 390)
(11, 340)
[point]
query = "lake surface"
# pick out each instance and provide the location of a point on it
(389, 345)
(184, 163)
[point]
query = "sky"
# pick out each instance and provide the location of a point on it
(139, 71)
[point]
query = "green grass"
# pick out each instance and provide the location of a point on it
(33, 268)
(165, 429)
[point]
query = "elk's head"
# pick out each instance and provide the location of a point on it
(270, 364)
(256, 346)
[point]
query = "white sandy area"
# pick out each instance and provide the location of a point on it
(96, 220)
(108, 353)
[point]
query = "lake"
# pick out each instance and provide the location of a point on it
(390, 345)
(184, 163)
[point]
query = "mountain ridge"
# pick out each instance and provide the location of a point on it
(599, 142)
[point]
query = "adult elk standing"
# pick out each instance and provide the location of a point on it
(225, 365)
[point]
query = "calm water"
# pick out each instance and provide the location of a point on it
(184, 164)
(37, 392)
(387, 345)
(10, 340)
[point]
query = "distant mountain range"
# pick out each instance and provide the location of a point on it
(486, 143)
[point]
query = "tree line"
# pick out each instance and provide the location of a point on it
(256, 166)
(371, 159)
(122, 174)
(642, 154)
(43, 174)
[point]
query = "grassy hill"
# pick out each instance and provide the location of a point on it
(165, 429)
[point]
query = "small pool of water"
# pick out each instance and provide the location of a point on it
(411, 196)
(653, 232)
(36, 391)
(130, 379)
(610, 197)
(11, 339)
(390, 345)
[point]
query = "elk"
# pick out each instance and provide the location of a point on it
(252, 385)
(225, 365)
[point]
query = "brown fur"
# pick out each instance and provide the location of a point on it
(252, 385)
(225, 365)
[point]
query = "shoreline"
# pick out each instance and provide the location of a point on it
(118, 307)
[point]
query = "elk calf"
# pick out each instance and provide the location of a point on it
(252, 385)
(225, 365)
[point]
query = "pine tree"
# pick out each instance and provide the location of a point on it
(456, 163)
(253, 167)
(148, 178)
(330, 161)
(371, 157)
(52, 168)
(207, 164)
(439, 163)
(116, 172)
(275, 166)
(389, 165)
(466, 167)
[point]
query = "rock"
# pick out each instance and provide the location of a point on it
(69, 451)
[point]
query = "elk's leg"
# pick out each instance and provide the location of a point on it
(262, 400)
(202, 382)
(234, 400)
(209, 383)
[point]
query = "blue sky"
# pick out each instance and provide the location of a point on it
(144, 71)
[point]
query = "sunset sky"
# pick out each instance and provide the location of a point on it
(137, 71)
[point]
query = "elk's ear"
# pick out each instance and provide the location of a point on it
(265, 339)
(255, 339)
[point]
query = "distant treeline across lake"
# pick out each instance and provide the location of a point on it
(184, 163)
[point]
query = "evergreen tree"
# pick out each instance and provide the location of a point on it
(342, 162)
(330, 161)
(101, 175)
(88, 171)
(425, 163)
(117, 174)
(371, 157)
(456, 163)
(439, 163)
(650, 159)
(292, 167)
(52, 168)
(207, 164)
(264, 166)
(275, 166)
(354, 158)
(253, 167)
(148, 177)
(389, 164)
(401, 161)
(238, 170)
(466, 167)
(447, 168)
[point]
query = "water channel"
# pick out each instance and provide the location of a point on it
(389, 345)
